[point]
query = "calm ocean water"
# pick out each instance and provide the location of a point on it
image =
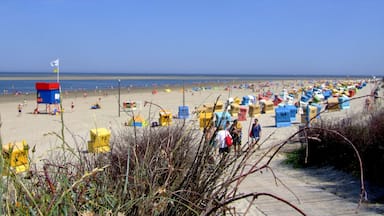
(25, 82)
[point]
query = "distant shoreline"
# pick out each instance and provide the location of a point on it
(66, 77)
(19, 92)
(116, 76)
(78, 93)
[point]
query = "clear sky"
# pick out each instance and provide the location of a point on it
(193, 36)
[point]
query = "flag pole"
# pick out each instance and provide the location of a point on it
(58, 70)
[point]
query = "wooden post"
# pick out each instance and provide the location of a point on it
(119, 99)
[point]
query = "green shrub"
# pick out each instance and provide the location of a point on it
(296, 158)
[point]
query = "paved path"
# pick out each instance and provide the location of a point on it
(316, 191)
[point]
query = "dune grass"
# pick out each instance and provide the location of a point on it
(149, 171)
(365, 130)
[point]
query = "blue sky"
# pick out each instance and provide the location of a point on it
(200, 36)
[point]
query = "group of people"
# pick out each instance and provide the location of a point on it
(48, 108)
(372, 99)
(235, 132)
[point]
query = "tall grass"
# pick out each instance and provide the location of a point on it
(1, 167)
(149, 171)
(365, 130)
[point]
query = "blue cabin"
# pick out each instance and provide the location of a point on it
(344, 102)
(309, 93)
(327, 94)
(222, 118)
(183, 112)
(282, 117)
(292, 112)
(245, 100)
(305, 98)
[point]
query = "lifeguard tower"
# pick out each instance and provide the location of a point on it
(49, 94)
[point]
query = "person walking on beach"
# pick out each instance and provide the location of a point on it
(227, 125)
(72, 106)
(376, 94)
(20, 109)
(255, 132)
(235, 131)
(220, 140)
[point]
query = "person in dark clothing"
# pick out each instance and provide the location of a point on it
(255, 132)
(235, 131)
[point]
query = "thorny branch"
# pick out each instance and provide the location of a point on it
(254, 195)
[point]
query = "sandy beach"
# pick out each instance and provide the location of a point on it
(43, 131)
(37, 129)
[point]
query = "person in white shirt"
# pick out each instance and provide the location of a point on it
(220, 140)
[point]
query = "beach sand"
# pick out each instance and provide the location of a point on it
(43, 131)
(38, 129)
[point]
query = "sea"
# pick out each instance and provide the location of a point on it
(24, 82)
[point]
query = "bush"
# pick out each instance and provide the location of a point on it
(296, 158)
(151, 171)
(365, 131)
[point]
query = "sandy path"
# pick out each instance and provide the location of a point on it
(320, 191)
